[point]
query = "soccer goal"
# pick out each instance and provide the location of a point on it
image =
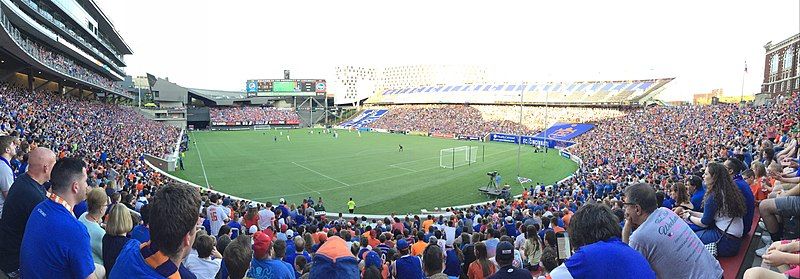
(451, 158)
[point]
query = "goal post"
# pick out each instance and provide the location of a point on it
(451, 158)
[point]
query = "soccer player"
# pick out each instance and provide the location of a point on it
(401, 147)
(275, 138)
(287, 138)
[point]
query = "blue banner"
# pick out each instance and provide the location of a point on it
(530, 140)
(565, 131)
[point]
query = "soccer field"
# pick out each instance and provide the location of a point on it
(370, 168)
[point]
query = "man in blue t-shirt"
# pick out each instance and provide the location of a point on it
(263, 265)
(407, 266)
(68, 254)
(173, 219)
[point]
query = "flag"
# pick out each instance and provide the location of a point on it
(523, 180)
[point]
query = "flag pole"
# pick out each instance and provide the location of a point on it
(741, 98)
(519, 137)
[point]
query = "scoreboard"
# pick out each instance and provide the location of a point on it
(285, 87)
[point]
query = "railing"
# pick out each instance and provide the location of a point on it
(55, 61)
(80, 39)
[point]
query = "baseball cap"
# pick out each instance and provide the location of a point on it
(505, 251)
(509, 219)
(372, 259)
(253, 229)
(261, 244)
(402, 244)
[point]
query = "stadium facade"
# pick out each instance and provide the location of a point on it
(353, 83)
(782, 66)
(68, 46)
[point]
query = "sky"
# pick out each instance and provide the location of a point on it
(221, 44)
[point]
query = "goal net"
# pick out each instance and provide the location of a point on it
(458, 156)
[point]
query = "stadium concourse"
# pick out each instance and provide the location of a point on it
(657, 185)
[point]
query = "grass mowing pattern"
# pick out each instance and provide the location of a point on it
(370, 169)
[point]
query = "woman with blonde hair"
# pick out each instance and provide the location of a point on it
(96, 202)
(117, 227)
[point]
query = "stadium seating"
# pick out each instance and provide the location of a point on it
(584, 92)
(656, 145)
(256, 115)
(476, 120)
(59, 62)
(366, 117)
(75, 128)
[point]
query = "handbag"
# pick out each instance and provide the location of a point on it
(712, 247)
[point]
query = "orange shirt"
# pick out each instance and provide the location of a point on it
(427, 224)
(475, 270)
(760, 194)
(418, 248)
(558, 229)
(566, 218)
(373, 242)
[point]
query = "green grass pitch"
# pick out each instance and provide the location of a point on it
(369, 168)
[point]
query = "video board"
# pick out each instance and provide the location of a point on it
(285, 87)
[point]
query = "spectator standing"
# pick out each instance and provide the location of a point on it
(238, 256)
(206, 263)
(266, 217)
(97, 200)
(142, 231)
(407, 266)
(263, 265)
(174, 213)
(26, 192)
(70, 254)
(433, 262)
(216, 214)
(8, 147)
(118, 225)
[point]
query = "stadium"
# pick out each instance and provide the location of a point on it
(398, 170)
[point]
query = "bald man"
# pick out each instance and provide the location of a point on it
(26, 192)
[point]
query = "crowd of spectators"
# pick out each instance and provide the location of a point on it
(447, 119)
(480, 120)
(538, 118)
(59, 62)
(657, 187)
(252, 114)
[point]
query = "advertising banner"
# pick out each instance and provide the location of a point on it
(443, 135)
(530, 140)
